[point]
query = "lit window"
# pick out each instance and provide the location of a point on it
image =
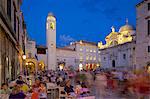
(87, 58)
(94, 51)
(98, 51)
(81, 57)
(87, 50)
(91, 51)
(91, 58)
(81, 49)
(81, 54)
(94, 58)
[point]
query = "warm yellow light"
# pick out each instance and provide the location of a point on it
(148, 69)
(91, 58)
(24, 57)
(94, 58)
(81, 49)
(80, 67)
(87, 58)
(90, 50)
(98, 65)
(61, 67)
(26, 63)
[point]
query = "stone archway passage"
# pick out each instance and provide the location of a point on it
(30, 67)
(148, 67)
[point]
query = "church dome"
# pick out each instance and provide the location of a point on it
(126, 27)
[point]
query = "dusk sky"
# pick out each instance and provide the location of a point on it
(89, 20)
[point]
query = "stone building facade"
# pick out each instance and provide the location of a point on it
(12, 39)
(119, 50)
(71, 56)
(143, 34)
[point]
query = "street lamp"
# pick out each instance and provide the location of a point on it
(24, 57)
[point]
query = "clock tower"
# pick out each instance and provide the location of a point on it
(51, 41)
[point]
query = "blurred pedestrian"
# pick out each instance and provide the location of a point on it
(68, 87)
(5, 89)
(42, 91)
(101, 83)
(17, 93)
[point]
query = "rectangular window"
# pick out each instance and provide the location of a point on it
(81, 49)
(148, 26)
(94, 58)
(18, 28)
(87, 57)
(41, 51)
(104, 58)
(148, 6)
(91, 58)
(14, 19)
(149, 49)
(124, 56)
(87, 50)
(9, 8)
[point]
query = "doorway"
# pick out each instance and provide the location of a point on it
(113, 64)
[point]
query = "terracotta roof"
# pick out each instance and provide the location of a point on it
(64, 48)
(88, 42)
(41, 46)
(117, 45)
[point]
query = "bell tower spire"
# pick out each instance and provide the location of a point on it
(51, 41)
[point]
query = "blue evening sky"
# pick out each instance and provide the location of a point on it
(89, 20)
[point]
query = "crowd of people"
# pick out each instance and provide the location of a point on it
(35, 86)
(131, 84)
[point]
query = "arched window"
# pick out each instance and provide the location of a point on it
(115, 43)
